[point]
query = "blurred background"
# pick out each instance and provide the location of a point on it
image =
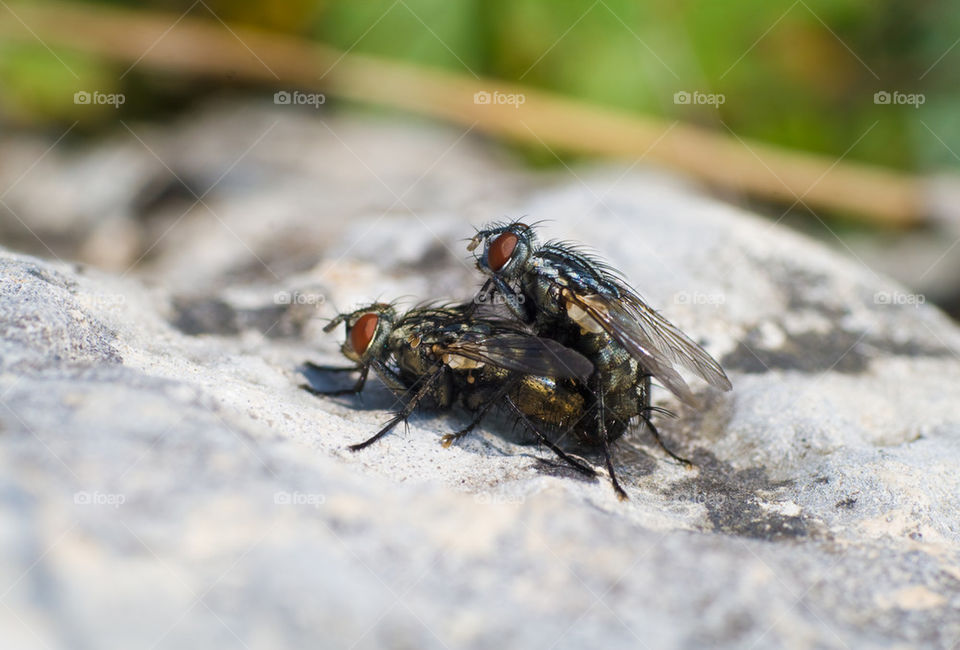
(835, 117)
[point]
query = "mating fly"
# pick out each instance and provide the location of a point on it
(581, 302)
(442, 356)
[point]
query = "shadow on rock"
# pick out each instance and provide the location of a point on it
(739, 502)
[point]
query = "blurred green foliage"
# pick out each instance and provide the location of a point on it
(801, 74)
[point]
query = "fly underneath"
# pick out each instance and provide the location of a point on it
(445, 356)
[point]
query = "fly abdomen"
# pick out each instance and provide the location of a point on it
(557, 404)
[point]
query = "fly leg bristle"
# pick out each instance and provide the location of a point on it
(605, 440)
(663, 446)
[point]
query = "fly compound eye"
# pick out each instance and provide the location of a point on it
(500, 251)
(362, 332)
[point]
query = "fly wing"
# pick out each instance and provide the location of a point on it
(524, 353)
(676, 345)
(651, 339)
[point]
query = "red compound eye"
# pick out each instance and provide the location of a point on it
(362, 332)
(500, 251)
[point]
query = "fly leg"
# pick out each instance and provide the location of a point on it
(604, 436)
(482, 297)
(515, 301)
(656, 436)
(449, 438)
(355, 389)
(402, 414)
(644, 415)
(570, 460)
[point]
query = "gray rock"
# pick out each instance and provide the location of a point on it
(165, 483)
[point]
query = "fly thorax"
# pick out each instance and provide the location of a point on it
(410, 360)
(543, 292)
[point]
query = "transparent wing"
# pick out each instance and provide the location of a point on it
(652, 340)
(524, 353)
(675, 345)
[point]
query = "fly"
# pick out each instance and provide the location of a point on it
(445, 356)
(579, 301)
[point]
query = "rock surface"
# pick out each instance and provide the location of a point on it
(165, 484)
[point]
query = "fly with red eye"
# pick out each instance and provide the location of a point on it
(501, 249)
(442, 357)
(367, 330)
(574, 298)
(361, 334)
